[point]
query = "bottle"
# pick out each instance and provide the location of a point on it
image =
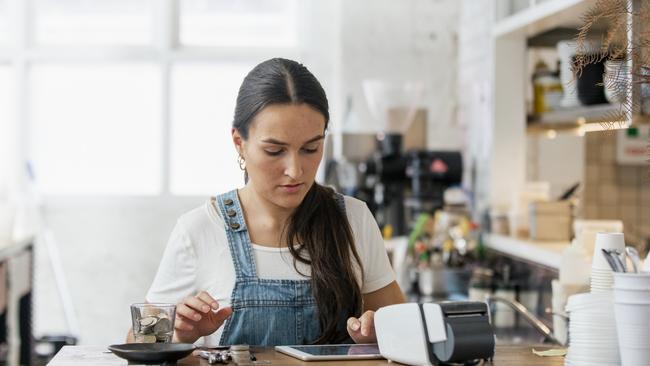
(547, 89)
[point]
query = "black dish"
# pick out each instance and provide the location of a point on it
(152, 353)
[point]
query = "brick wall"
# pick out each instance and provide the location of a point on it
(614, 191)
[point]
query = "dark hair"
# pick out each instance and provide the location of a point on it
(317, 224)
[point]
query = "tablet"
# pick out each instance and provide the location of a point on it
(332, 352)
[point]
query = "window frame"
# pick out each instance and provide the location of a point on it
(22, 52)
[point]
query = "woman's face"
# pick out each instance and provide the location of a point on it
(282, 152)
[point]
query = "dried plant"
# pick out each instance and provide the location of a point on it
(618, 17)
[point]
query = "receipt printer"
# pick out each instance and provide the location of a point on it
(435, 333)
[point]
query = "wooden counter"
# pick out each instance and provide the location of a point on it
(99, 356)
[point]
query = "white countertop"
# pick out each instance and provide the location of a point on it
(545, 253)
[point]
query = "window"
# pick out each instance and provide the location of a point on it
(203, 158)
(111, 110)
(95, 129)
(93, 22)
(261, 23)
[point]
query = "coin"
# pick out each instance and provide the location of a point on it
(148, 320)
(147, 324)
(154, 329)
(162, 326)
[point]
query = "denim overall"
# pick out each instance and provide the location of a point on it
(265, 312)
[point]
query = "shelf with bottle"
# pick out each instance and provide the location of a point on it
(577, 120)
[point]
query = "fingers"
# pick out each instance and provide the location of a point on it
(353, 325)
(197, 316)
(183, 324)
(187, 311)
(362, 330)
(200, 313)
(195, 307)
(222, 314)
(367, 321)
(208, 300)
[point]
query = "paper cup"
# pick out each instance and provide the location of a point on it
(614, 241)
(633, 329)
(632, 281)
(586, 230)
(626, 296)
(635, 314)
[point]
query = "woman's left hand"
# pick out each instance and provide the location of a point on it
(362, 330)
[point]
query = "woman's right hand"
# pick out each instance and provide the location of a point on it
(198, 316)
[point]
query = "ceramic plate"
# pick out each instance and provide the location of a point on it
(152, 352)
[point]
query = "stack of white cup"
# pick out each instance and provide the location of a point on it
(561, 293)
(632, 310)
(601, 272)
(591, 331)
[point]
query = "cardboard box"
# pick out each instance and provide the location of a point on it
(551, 220)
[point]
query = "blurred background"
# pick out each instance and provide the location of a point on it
(446, 117)
(116, 119)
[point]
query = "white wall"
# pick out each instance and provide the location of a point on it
(559, 161)
(412, 41)
(474, 93)
(109, 249)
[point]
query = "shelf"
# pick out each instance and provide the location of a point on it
(579, 120)
(550, 38)
(543, 17)
(581, 115)
(545, 253)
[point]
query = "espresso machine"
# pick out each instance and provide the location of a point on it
(401, 185)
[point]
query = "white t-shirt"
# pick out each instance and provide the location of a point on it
(197, 258)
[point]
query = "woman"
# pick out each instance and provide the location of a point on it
(282, 260)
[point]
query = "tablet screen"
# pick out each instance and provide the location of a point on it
(332, 352)
(340, 349)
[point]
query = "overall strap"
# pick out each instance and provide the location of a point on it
(237, 234)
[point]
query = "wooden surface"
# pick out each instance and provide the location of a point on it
(99, 356)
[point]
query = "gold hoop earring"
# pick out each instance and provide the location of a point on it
(241, 162)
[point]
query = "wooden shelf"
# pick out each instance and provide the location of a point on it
(545, 253)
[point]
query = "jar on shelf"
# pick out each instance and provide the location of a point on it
(547, 89)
